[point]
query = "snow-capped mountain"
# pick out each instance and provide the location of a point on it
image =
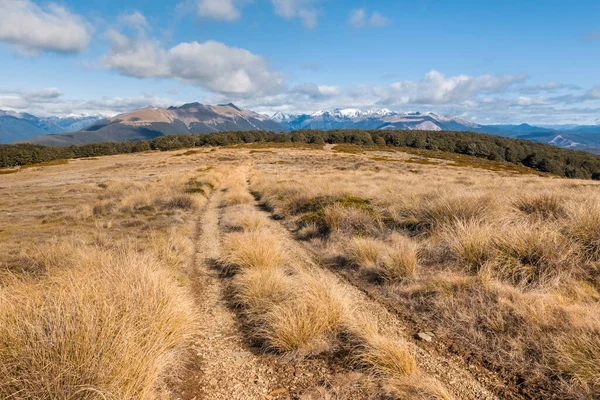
(18, 125)
(353, 118)
(149, 123)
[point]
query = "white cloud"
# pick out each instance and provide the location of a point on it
(135, 20)
(303, 9)
(136, 57)
(33, 29)
(359, 18)
(317, 92)
(529, 101)
(220, 10)
(211, 65)
(51, 102)
(592, 94)
(436, 88)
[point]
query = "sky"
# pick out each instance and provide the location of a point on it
(494, 61)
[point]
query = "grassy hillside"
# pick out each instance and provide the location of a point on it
(296, 270)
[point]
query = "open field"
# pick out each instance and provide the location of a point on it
(298, 271)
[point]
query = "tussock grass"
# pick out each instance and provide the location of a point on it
(533, 255)
(237, 196)
(106, 325)
(310, 319)
(258, 290)
(365, 252)
(579, 358)
(252, 250)
(445, 210)
(471, 242)
(245, 218)
(383, 354)
(418, 387)
(583, 226)
(400, 261)
(392, 261)
(510, 262)
(541, 205)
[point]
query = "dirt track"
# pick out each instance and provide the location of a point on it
(224, 365)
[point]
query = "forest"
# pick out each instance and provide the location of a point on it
(542, 157)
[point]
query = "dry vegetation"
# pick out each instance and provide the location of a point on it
(502, 265)
(505, 269)
(92, 300)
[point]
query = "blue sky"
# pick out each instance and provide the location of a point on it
(487, 61)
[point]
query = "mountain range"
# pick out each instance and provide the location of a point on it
(16, 126)
(149, 123)
(585, 138)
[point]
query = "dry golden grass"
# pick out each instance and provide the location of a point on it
(258, 290)
(365, 252)
(252, 250)
(510, 263)
(533, 255)
(103, 324)
(505, 266)
(541, 205)
(98, 309)
(245, 218)
(401, 260)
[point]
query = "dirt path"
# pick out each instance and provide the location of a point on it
(447, 370)
(221, 365)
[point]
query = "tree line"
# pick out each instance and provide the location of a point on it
(539, 156)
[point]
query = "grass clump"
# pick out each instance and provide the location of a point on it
(533, 255)
(400, 261)
(104, 326)
(252, 250)
(542, 205)
(583, 227)
(349, 213)
(310, 319)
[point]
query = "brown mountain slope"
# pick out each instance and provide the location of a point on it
(151, 123)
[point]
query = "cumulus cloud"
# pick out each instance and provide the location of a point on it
(33, 29)
(436, 88)
(360, 18)
(303, 9)
(51, 102)
(211, 65)
(220, 10)
(317, 92)
(529, 101)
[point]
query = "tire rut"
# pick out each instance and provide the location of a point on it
(220, 364)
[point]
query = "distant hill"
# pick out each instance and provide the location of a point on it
(197, 118)
(585, 138)
(20, 126)
(154, 122)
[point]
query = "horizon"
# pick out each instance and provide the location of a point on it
(492, 63)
